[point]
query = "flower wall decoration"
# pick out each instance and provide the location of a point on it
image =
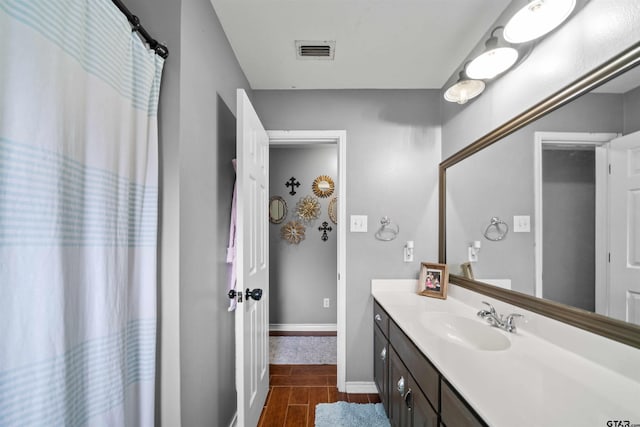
(308, 208)
(293, 232)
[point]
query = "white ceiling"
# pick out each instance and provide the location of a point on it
(380, 44)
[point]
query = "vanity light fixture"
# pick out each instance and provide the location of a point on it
(464, 89)
(494, 60)
(537, 18)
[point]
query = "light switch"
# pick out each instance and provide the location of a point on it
(521, 224)
(358, 223)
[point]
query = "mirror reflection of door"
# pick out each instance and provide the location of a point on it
(624, 218)
(569, 202)
(571, 234)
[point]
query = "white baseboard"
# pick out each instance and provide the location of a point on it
(303, 327)
(368, 387)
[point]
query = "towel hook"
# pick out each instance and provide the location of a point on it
(497, 226)
(388, 230)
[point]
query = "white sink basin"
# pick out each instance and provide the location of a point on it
(466, 332)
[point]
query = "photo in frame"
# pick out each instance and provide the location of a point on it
(434, 279)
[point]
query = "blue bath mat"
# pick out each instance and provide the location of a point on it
(345, 414)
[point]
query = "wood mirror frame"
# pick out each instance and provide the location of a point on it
(617, 330)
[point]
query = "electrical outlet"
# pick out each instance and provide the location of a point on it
(358, 223)
(521, 224)
(326, 303)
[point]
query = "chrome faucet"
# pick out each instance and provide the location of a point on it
(507, 323)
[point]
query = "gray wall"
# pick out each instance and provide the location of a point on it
(393, 149)
(197, 141)
(162, 19)
(498, 181)
(632, 111)
(301, 275)
(594, 34)
(568, 236)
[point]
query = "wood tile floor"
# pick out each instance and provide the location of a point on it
(296, 389)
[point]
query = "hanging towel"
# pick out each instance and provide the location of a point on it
(231, 249)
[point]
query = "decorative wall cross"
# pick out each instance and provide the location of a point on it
(325, 227)
(293, 183)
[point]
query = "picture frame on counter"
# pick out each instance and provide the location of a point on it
(434, 279)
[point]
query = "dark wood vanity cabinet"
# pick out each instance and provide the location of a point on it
(413, 392)
(381, 354)
(398, 411)
(408, 405)
(381, 365)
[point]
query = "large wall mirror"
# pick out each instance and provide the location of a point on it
(571, 165)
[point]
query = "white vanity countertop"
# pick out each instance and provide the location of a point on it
(532, 383)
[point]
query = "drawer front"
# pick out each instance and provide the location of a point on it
(423, 371)
(381, 318)
(454, 411)
(381, 366)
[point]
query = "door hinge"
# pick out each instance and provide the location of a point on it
(609, 168)
(609, 256)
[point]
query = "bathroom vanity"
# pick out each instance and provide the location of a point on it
(410, 386)
(437, 364)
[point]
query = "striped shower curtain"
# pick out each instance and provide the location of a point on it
(78, 216)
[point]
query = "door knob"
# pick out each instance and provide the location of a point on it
(233, 294)
(256, 294)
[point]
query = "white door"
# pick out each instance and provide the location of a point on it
(624, 191)
(252, 263)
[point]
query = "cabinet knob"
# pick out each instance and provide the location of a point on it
(383, 353)
(401, 386)
(378, 318)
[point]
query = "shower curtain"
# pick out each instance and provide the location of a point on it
(78, 216)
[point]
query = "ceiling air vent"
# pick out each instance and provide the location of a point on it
(323, 50)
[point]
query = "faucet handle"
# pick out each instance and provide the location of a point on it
(509, 320)
(491, 309)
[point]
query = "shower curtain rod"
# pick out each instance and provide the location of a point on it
(160, 49)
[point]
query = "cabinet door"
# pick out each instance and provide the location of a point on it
(421, 411)
(419, 366)
(454, 411)
(381, 366)
(398, 386)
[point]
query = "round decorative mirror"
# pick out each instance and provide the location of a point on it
(323, 186)
(277, 209)
(333, 210)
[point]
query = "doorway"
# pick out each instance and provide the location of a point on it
(571, 244)
(322, 142)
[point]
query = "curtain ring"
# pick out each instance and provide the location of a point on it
(496, 224)
(135, 23)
